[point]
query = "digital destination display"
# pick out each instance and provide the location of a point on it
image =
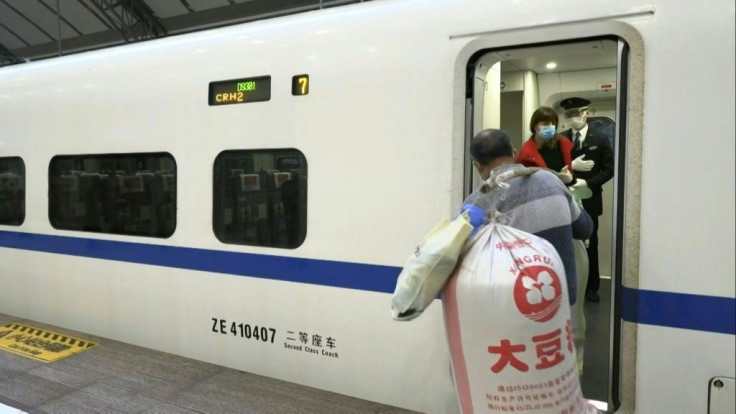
(240, 91)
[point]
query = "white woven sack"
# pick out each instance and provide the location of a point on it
(508, 324)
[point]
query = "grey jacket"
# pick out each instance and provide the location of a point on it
(540, 204)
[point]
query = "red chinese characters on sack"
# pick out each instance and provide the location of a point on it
(516, 244)
(507, 351)
(569, 335)
(548, 349)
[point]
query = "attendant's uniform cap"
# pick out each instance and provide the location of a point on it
(574, 103)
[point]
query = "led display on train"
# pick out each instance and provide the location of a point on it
(236, 91)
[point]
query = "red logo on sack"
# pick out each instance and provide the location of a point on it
(538, 293)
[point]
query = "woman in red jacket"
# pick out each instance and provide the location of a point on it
(546, 148)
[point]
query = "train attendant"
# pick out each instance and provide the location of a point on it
(592, 171)
(546, 148)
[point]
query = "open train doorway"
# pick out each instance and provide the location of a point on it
(585, 80)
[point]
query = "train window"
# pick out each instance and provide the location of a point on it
(132, 194)
(260, 197)
(12, 191)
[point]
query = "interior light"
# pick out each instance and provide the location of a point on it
(551, 65)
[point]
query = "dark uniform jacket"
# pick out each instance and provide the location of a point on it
(596, 148)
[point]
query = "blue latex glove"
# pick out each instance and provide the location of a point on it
(476, 215)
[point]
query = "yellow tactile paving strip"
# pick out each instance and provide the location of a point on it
(40, 344)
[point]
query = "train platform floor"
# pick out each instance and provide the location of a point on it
(113, 377)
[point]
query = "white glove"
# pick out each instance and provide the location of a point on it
(580, 183)
(578, 164)
(580, 190)
(565, 175)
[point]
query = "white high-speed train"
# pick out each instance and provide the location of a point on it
(247, 195)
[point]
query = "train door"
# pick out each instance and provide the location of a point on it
(508, 86)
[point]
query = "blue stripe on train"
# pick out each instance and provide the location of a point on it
(677, 310)
(359, 276)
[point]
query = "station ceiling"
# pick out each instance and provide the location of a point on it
(39, 29)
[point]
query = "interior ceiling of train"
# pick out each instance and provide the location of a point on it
(594, 54)
(38, 29)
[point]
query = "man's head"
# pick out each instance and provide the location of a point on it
(489, 149)
(576, 111)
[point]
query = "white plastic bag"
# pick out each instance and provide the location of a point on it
(507, 317)
(428, 268)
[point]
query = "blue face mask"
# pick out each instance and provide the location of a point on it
(548, 132)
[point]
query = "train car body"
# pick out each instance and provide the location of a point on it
(383, 130)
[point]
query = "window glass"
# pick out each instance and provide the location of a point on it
(12, 191)
(132, 194)
(260, 197)
(605, 126)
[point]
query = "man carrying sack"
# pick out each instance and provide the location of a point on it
(507, 305)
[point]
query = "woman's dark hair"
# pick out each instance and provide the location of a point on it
(543, 114)
(490, 144)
